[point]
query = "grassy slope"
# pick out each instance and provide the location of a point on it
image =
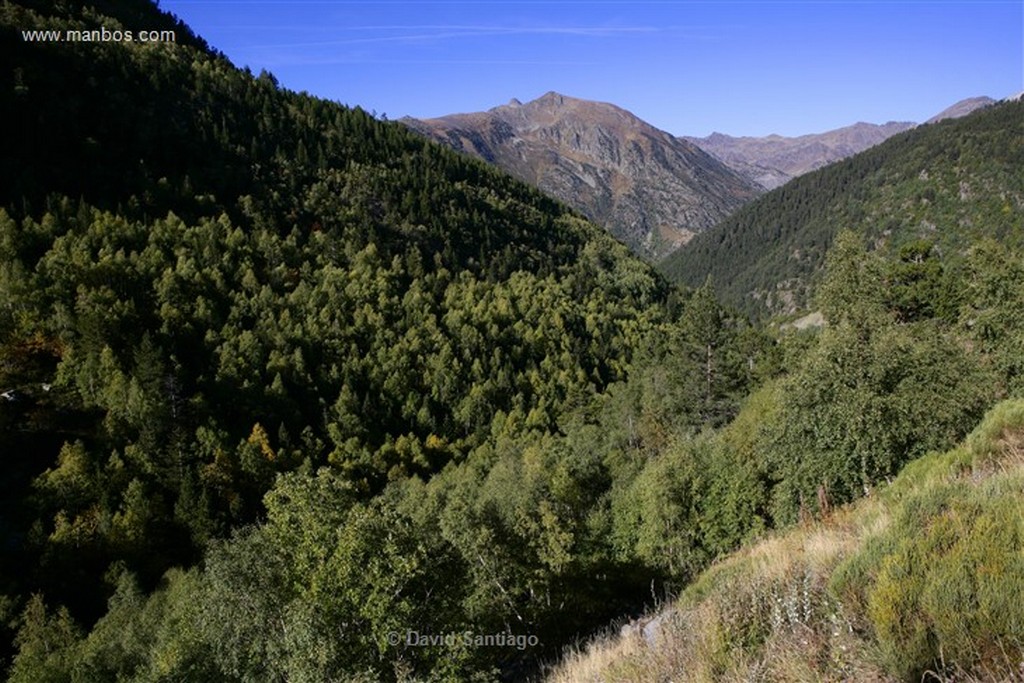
(922, 581)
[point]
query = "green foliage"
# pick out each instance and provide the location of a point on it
(155, 638)
(993, 294)
(873, 394)
(734, 485)
(937, 586)
(250, 282)
(44, 644)
(364, 386)
(658, 516)
(194, 324)
(919, 286)
(949, 183)
(919, 582)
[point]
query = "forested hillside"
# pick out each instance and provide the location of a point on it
(209, 283)
(947, 183)
(288, 393)
(915, 582)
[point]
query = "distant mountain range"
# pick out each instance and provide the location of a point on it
(650, 189)
(774, 160)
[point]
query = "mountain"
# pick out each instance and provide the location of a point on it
(650, 189)
(949, 183)
(962, 108)
(775, 160)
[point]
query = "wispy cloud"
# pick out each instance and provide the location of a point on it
(442, 32)
(429, 62)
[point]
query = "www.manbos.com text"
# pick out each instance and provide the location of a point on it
(98, 35)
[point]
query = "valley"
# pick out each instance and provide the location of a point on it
(649, 189)
(291, 392)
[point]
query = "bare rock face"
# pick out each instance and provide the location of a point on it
(648, 188)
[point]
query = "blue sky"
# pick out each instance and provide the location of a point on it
(690, 67)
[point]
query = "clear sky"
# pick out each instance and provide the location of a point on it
(689, 67)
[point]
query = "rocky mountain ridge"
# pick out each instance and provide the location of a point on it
(650, 189)
(773, 160)
(962, 108)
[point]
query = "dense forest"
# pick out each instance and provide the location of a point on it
(282, 384)
(949, 184)
(211, 283)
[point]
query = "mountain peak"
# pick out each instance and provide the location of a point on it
(550, 96)
(555, 109)
(648, 188)
(962, 108)
(555, 103)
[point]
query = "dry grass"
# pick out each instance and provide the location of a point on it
(597, 659)
(771, 596)
(767, 613)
